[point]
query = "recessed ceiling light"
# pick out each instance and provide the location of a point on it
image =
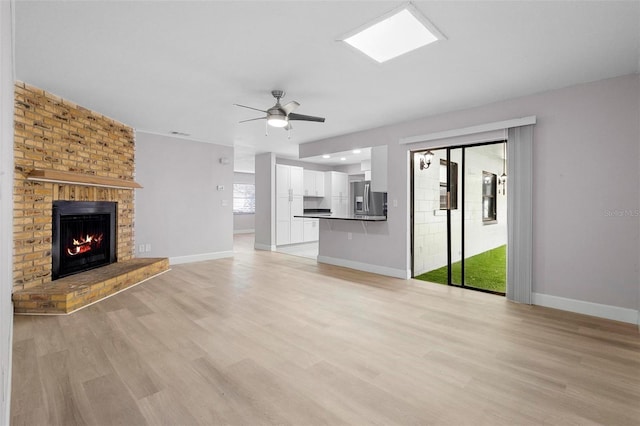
(356, 151)
(396, 33)
(326, 156)
(342, 158)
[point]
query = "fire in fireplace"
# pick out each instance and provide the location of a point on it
(84, 236)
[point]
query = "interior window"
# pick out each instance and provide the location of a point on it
(244, 198)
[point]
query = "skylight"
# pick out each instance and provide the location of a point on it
(394, 34)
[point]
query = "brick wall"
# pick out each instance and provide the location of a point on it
(53, 133)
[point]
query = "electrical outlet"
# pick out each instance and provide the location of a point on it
(220, 187)
(349, 235)
(225, 203)
(141, 248)
(147, 248)
(395, 203)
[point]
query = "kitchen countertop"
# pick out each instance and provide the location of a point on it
(360, 217)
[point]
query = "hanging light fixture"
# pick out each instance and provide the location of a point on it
(502, 180)
(425, 160)
(277, 118)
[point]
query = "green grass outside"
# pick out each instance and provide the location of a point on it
(486, 270)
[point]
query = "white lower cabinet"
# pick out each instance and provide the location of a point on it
(297, 230)
(311, 230)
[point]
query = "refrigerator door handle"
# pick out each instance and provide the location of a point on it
(366, 198)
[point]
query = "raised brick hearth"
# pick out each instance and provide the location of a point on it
(71, 293)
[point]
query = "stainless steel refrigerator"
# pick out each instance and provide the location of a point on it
(367, 202)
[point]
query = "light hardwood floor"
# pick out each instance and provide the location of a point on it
(267, 338)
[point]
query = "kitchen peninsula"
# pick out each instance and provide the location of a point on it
(330, 216)
(347, 240)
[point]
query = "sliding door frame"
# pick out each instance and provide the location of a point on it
(449, 224)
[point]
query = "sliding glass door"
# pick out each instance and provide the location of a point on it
(459, 229)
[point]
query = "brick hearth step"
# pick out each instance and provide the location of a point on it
(68, 294)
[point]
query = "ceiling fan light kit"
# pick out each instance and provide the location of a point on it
(281, 115)
(277, 118)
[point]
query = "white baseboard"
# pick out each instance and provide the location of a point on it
(244, 231)
(7, 390)
(266, 247)
(366, 267)
(199, 257)
(587, 308)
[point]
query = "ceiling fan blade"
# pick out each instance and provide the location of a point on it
(289, 107)
(252, 119)
(244, 106)
(294, 116)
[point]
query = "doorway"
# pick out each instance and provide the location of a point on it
(459, 216)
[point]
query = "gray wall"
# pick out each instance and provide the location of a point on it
(179, 212)
(244, 222)
(265, 237)
(586, 174)
(6, 207)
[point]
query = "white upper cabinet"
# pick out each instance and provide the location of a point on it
(320, 184)
(339, 184)
(379, 168)
(283, 180)
(313, 183)
(297, 180)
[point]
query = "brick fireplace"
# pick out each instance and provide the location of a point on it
(65, 152)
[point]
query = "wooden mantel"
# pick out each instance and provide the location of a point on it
(74, 178)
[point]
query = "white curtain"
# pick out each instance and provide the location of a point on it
(519, 213)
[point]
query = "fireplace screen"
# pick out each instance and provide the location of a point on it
(84, 235)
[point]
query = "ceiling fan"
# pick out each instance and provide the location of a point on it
(281, 115)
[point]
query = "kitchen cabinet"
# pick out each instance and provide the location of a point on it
(338, 183)
(313, 183)
(289, 202)
(339, 206)
(289, 178)
(379, 168)
(311, 230)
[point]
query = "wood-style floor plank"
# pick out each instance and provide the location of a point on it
(267, 338)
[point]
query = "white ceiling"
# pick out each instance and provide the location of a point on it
(180, 66)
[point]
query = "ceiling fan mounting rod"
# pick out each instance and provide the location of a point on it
(278, 94)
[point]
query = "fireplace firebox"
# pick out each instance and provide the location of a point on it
(84, 236)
